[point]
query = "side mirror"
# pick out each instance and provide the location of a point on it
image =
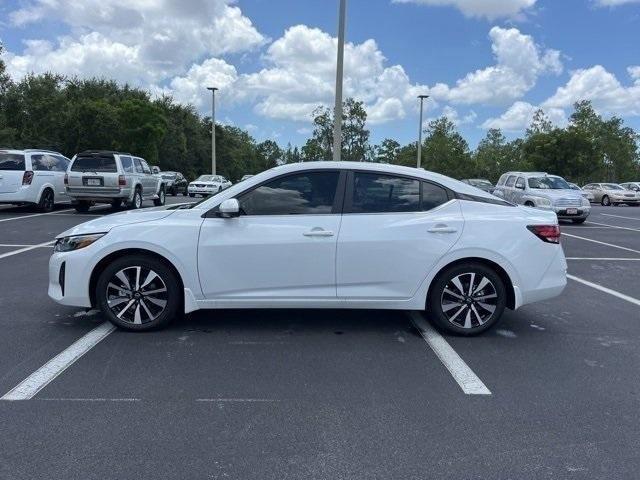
(520, 187)
(230, 208)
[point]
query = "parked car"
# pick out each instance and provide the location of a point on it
(480, 183)
(208, 185)
(175, 183)
(544, 191)
(634, 186)
(244, 177)
(112, 177)
(585, 193)
(33, 177)
(155, 170)
(612, 194)
(317, 235)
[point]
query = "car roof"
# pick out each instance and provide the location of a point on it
(29, 150)
(532, 174)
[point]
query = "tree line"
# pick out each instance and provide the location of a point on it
(70, 115)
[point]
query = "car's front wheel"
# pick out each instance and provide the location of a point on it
(138, 293)
(467, 299)
(158, 202)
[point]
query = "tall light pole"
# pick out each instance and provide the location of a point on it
(337, 112)
(422, 99)
(213, 129)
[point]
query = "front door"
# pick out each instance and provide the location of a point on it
(282, 246)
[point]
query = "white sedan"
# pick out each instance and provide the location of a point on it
(208, 185)
(317, 235)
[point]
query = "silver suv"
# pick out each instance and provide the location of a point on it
(541, 190)
(112, 177)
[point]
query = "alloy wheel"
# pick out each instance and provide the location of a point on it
(137, 295)
(469, 300)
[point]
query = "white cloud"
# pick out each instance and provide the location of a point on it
(614, 3)
(490, 9)
(602, 88)
(519, 63)
(519, 116)
(453, 115)
(167, 35)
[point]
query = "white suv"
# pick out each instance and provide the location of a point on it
(33, 177)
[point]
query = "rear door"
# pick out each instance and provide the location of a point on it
(394, 229)
(50, 169)
(12, 168)
(93, 173)
(150, 181)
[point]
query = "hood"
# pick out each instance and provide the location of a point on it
(106, 223)
(558, 194)
(201, 182)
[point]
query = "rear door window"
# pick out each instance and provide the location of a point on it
(95, 164)
(520, 183)
(138, 165)
(379, 193)
(433, 196)
(11, 161)
(145, 166)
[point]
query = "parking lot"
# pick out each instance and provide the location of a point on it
(553, 392)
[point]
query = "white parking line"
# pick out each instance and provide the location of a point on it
(26, 249)
(601, 243)
(629, 299)
(14, 245)
(605, 259)
(39, 379)
(621, 216)
(459, 370)
(34, 215)
(615, 226)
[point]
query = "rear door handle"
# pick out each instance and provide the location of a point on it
(442, 229)
(318, 232)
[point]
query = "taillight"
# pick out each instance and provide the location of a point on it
(66, 179)
(122, 180)
(546, 233)
(27, 177)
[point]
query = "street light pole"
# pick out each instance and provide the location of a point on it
(337, 112)
(213, 129)
(422, 99)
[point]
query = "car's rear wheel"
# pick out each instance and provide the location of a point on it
(47, 201)
(605, 201)
(136, 202)
(82, 206)
(138, 293)
(467, 299)
(116, 203)
(192, 195)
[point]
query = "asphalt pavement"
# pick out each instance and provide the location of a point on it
(552, 392)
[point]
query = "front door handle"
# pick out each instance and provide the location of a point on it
(318, 232)
(442, 229)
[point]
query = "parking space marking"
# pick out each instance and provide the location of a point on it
(14, 245)
(622, 296)
(605, 259)
(26, 249)
(601, 243)
(615, 226)
(34, 215)
(620, 216)
(39, 379)
(237, 400)
(469, 382)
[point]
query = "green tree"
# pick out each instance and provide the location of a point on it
(269, 155)
(445, 151)
(387, 151)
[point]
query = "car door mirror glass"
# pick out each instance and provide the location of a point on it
(229, 208)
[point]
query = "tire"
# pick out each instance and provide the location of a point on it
(578, 221)
(192, 195)
(126, 307)
(462, 314)
(160, 201)
(82, 206)
(116, 203)
(136, 202)
(605, 202)
(47, 201)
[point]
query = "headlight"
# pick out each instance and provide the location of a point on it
(586, 202)
(67, 244)
(542, 202)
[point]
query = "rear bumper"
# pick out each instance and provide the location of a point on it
(552, 283)
(98, 194)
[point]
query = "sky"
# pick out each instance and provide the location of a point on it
(484, 63)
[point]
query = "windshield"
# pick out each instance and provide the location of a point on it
(168, 176)
(612, 186)
(11, 161)
(481, 183)
(548, 183)
(206, 178)
(94, 164)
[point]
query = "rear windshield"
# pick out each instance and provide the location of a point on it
(11, 161)
(94, 164)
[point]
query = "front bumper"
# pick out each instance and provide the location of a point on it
(71, 287)
(582, 212)
(201, 191)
